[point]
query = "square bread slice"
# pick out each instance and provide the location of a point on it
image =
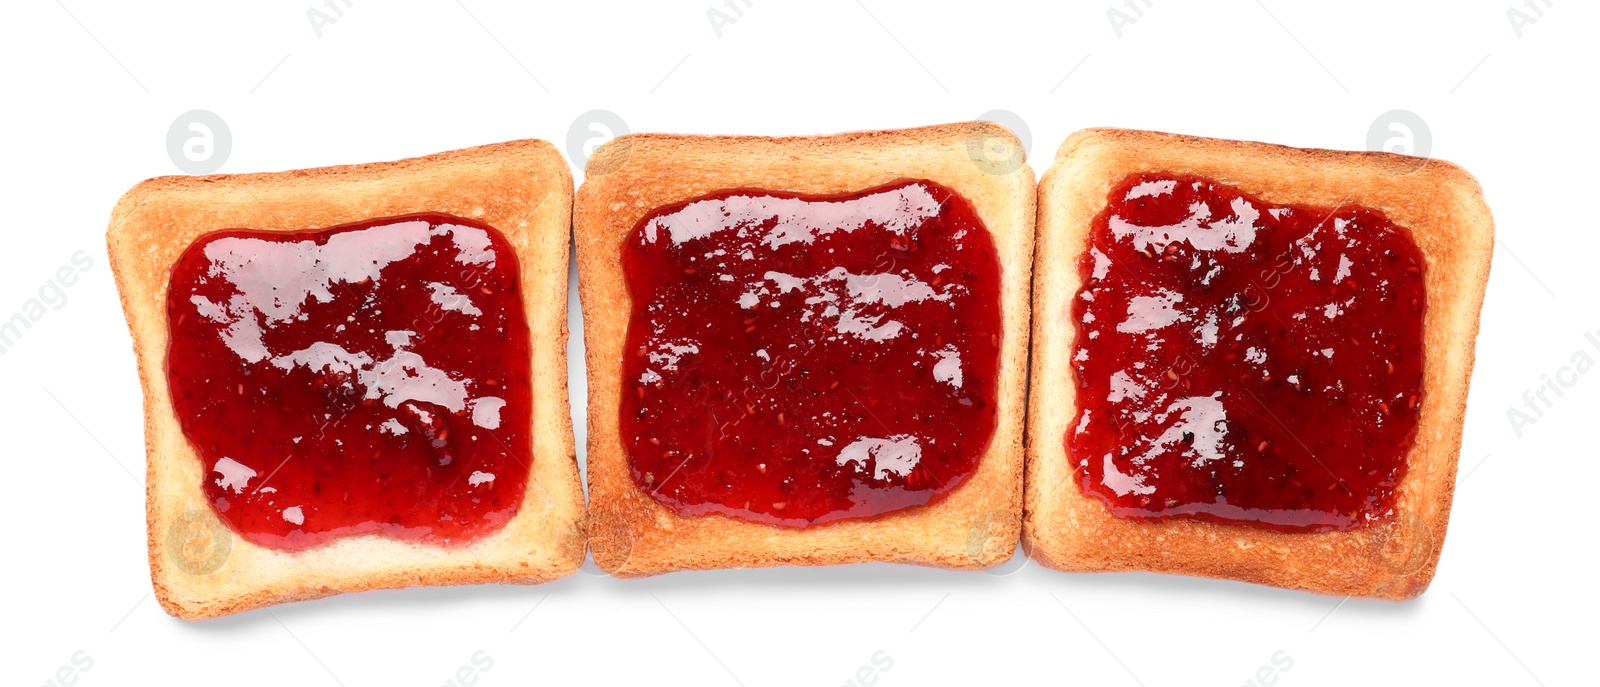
(977, 524)
(199, 567)
(1393, 558)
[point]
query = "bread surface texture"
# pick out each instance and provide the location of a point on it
(199, 567)
(1442, 207)
(975, 525)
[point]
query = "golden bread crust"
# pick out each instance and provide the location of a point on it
(631, 534)
(1443, 208)
(199, 568)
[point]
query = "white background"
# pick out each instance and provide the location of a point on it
(90, 89)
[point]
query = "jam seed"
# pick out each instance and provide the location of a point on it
(1389, 366)
(1172, 375)
(779, 505)
(1262, 447)
(1383, 407)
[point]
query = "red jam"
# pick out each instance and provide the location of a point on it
(1242, 362)
(370, 378)
(795, 360)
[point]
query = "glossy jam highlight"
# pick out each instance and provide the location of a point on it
(1243, 362)
(795, 360)
(364, 379)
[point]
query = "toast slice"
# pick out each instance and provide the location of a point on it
(199, 566)
(976, 524)
(1392, 558)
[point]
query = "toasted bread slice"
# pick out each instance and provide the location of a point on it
(200, 568)
(977, 523)
(1395, 558)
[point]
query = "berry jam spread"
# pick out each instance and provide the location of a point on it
(1241, 362)
(370, 378)
(795, 360)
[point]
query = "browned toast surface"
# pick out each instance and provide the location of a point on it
(1444, 210)
(198, 566)
(976, 525)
